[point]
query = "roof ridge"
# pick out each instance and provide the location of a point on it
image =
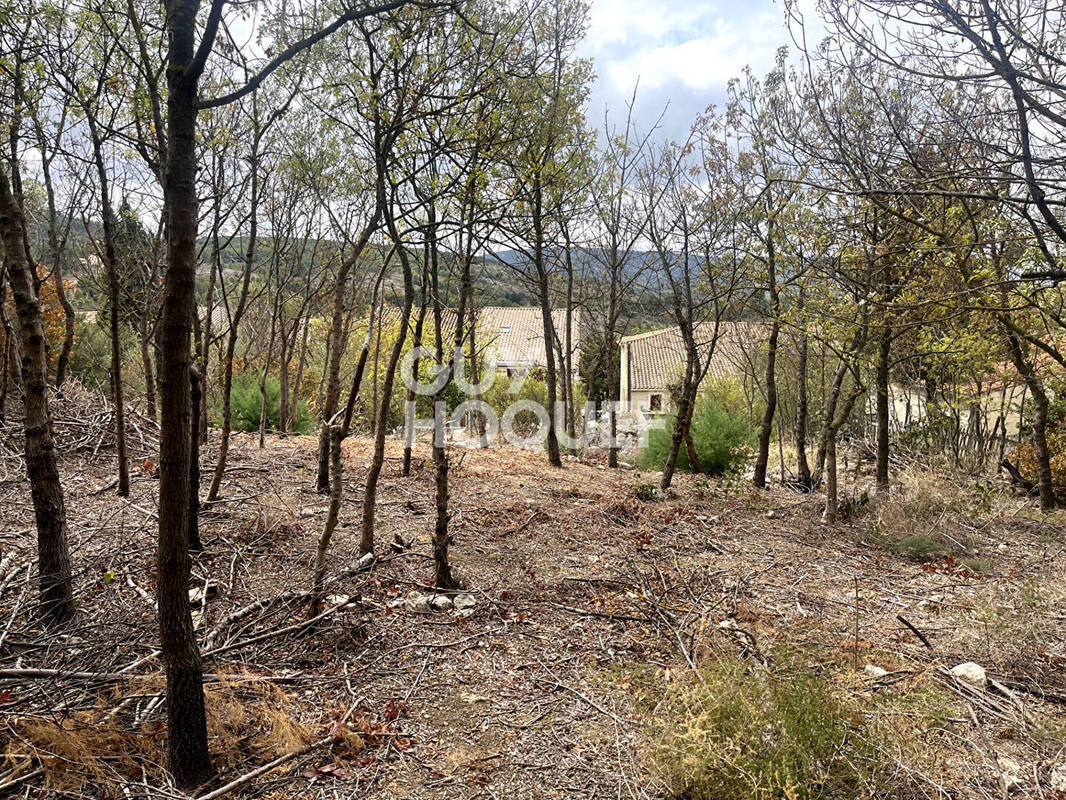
(722, 324)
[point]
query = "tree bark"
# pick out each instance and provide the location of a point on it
(111, 264)
(409, 408)
(832, 502)
(49, 507)
(803, 469)
(762, 457)
(196, 384)
(883, 353)
(1045, 477)
(235, 320)
(366, 540)
(187, 748)
(336, 490)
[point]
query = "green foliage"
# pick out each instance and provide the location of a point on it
(246, 402)
(739, 732)
(920, 547)
(593, 366)
(90, 359)
(500, 397)
(720, 430)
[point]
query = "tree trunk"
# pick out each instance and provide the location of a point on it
(883, 354)
(111, 264)
(613, 379)
(336, 491)
(544, 297)
(678, 436)
(5, 366)
(1045, 477)
(196, 384)
(187, 749)
(802, 467)
(63, 359)
(762, 457)
(231, 338)
(366, 540)
(409, 408)
(832, 503)
(149, 373)
(53, 554)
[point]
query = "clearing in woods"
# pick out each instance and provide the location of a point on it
(584, 606)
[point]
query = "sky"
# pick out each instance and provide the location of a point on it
(682, 53)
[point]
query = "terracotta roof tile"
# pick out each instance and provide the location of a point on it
(656, 357)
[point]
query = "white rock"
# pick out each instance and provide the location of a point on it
(1003, 546)
(337, 599)
(416, 601)
(875, 671)
(464, 601)
(441, 602)
(1057, 778)
(971, 673)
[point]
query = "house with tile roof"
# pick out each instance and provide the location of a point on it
(654, 362)
(511, 337)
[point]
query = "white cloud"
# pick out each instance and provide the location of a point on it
(682, 52)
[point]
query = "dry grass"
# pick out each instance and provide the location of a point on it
(249, 720)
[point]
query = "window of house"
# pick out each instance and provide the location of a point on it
(505, 329)
(656, 402)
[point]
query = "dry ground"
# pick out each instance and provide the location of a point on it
(590, 604)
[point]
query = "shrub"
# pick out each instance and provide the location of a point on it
(500, 398)
(245, 404)
(739, 732)
(720, 431)
(646, 492)
(919, 547)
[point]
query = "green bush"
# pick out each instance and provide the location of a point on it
(500, 398)
(720, 430)
(919, 547)
(742, 732)
(245, 404)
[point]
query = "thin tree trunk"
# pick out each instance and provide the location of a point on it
(337, 346)
(832, 502)
(336, 490)
(762, 457)
(111, 264)
(53, 554)
(187, 748)
(6, 362)
(149, 373)
(443, 578)
(802, 467)
(544, 296)
(366, 540)
(678, 436)
(409, 407)
(883, 354)
(63, 359)
(1045, 476)
(231, 339)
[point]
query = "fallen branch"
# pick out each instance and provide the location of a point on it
(915, 631)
